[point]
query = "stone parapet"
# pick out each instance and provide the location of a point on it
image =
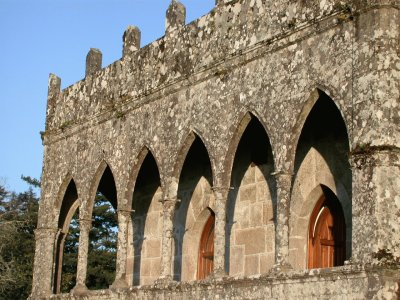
(350, 282)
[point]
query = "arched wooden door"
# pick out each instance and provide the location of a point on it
(206, 249)
(327, 234)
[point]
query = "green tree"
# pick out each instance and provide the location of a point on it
(103, 245)
(18, 219)
(102, 248)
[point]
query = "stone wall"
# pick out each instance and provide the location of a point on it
(196, 93)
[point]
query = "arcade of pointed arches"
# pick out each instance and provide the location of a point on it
(320, 205)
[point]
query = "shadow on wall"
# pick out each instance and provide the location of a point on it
(251, 205)
(146, 187)
(196, 166)
(321, 160)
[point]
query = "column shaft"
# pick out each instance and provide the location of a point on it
(84, 229)
(221, 197)
(167, 238)
(284, 183)
(43, 265)
(120, 276)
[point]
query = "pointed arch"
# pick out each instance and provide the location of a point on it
(205, 261)
(320, 158)
(67, 178)
(102, 176)
(252, 200)
(69, 204)
(141, 156)
(194, 191)
(326, 232)
(315, 96)
(241, 127)
(144, 238)
(183, 152)
(101, 208)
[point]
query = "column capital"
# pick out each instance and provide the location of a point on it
(169, 202)
(282, 173)
(370, 156)
(221, 193)
(45, 232)
(85, 224)
(221, 188)
(125, 212)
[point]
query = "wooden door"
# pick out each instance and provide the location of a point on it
(206, 249)
(327, 234)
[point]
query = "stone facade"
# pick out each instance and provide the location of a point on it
(252, 112)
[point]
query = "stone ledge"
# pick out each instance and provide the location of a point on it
(349, 281)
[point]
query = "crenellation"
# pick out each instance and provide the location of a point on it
(131, 40)
(175, 16)
(93, 61)
(53, 97)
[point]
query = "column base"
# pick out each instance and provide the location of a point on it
(40, 295)
(280, 268)
(217, 274)
(164, 281)
(119, 284)
(80, 289)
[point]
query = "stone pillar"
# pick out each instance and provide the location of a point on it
(120, 276)
(167, 238)
(376, 203)
(84, 228)
(93, 61)
(43, 264)
(284, 184)
(58, 256)
(221, 198)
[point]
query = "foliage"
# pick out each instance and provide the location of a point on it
(18, 219)
(103, 245)
(70, 257)
(102, 248)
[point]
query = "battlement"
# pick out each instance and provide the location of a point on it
(208, 46)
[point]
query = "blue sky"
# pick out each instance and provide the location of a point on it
(38, 37)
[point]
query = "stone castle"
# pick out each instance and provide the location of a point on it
(251, 154)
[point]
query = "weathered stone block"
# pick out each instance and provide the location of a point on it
(252, 265)
(252, 239)
(248, 193)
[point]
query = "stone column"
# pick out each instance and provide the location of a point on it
(283, 184)
(167, 238)
(376, 203)
(43, 265)
(84, 228)
(221, 198)
(123, 223)
(58, 256)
